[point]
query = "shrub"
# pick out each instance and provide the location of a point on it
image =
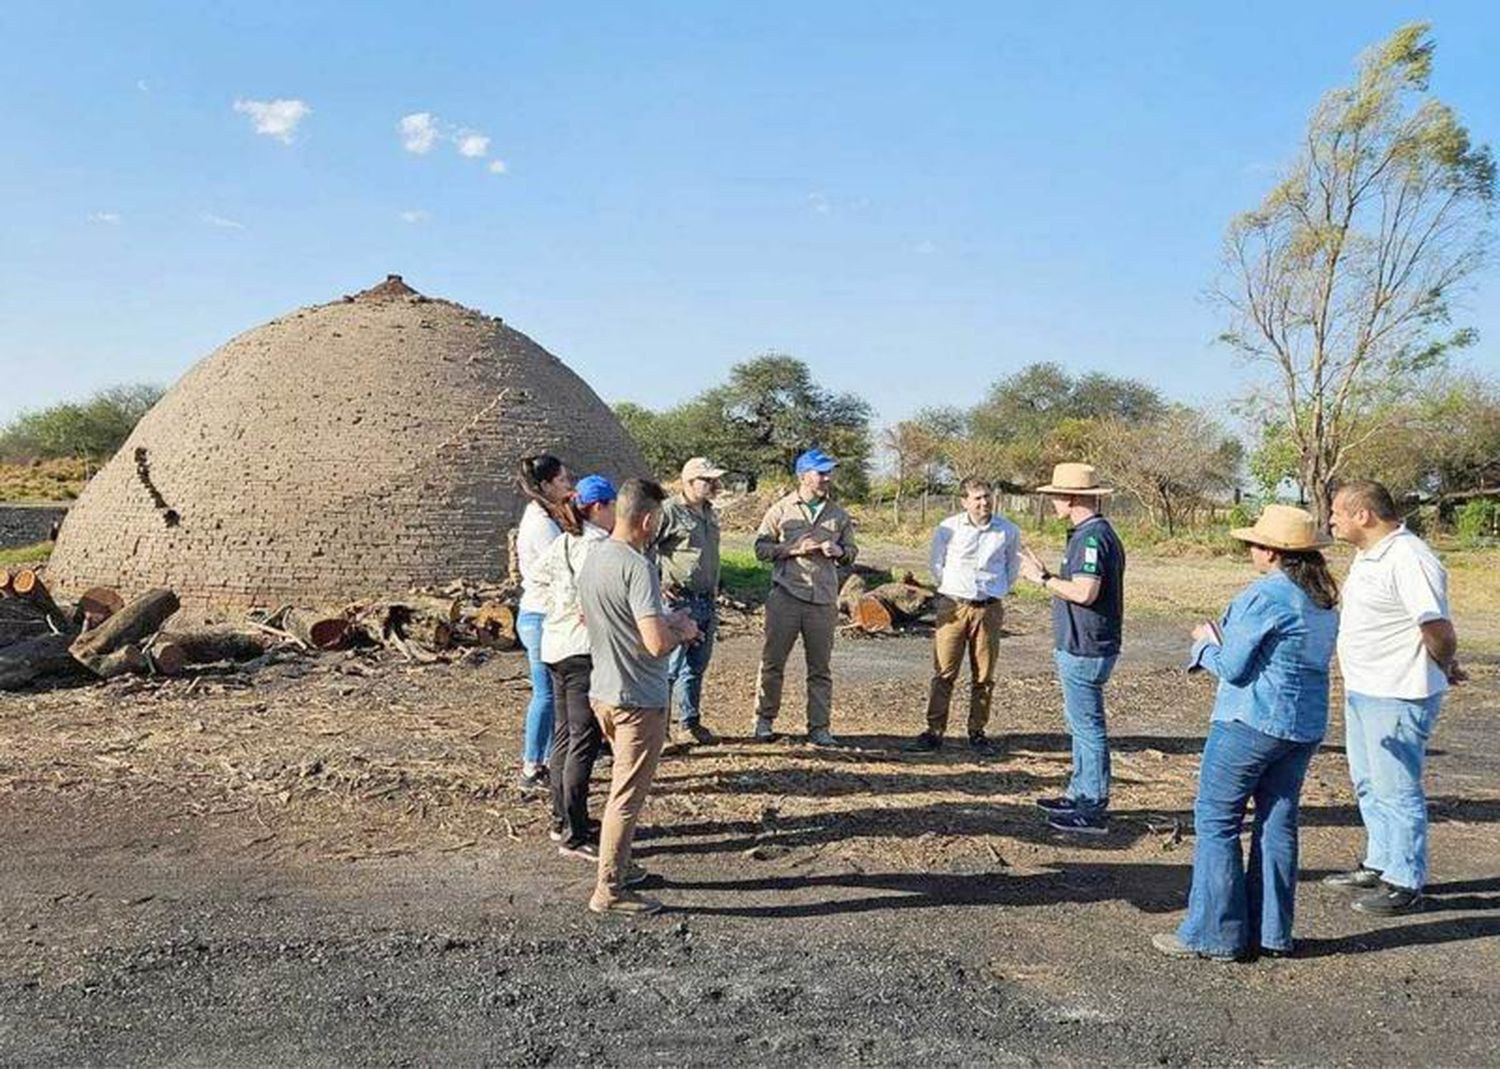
(1477, 520)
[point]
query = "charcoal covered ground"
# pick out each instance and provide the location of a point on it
(328, 863)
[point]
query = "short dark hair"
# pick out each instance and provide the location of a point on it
(1371, 496)
(637, 498)
(974, 482)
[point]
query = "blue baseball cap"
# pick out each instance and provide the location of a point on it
(593, 490)
(814, 460)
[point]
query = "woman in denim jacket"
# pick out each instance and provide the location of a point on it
(1271, 653)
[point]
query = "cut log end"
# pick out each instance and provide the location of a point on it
(871, 615)
(96, 605)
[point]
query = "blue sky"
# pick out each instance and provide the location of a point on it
(915, 199)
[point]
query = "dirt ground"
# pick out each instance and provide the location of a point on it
(328, 863)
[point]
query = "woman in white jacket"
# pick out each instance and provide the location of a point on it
(548, 485)
(565, 651)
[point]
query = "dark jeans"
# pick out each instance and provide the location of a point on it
(689, 664)
(575, 745)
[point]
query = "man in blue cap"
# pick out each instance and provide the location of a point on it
(806, 538)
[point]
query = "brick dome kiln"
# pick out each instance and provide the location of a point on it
(356, 448)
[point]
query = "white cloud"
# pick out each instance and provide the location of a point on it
(925, 248)
(274, 118)
(418, 215)
(219, 221)
(108, 218)
(475, 146)
(819, 203)
(497, 167)
(419, 132)
(143, 85)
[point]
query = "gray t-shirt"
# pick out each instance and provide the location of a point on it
(616, 587)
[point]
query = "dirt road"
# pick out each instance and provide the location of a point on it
(331, 866)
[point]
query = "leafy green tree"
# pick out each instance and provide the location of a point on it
(91, 430)
(757, 422)
(1339, 281)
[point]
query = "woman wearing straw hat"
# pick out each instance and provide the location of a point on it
(1271, 652)
(1088, 611)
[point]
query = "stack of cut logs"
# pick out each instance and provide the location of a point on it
(881, 609)
(104, 636)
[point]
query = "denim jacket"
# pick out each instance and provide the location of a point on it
(1273, 662)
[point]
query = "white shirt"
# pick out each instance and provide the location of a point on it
(1393, 588)
(975, 563)
(535, 533)
(563, 632)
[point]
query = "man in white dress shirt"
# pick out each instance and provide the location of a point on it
(975, 559)
(1399, 654)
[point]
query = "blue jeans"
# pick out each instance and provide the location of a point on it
(1233, 907)
(1083, 680)
(539, 713)
(689, 664)
(1386, 740)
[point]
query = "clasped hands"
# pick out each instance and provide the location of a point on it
(809, 547)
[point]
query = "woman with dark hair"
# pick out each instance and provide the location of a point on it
(576, 735)
(1271, 652)
(548, 484)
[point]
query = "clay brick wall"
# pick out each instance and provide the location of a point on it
(342, 451)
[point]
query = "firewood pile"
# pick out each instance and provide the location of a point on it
(103, 636)
(885, 608)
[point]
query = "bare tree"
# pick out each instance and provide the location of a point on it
(911, 449)
(1340, 280)
(1174, 464)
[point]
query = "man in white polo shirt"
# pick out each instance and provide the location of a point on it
(975, 559)
(1397, 651)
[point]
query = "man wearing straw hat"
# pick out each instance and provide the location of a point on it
(1088, 608)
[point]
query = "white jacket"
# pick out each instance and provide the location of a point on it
(556, 584)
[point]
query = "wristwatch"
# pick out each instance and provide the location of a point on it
(1046, 574)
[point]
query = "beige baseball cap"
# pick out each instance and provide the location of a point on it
(701, 468)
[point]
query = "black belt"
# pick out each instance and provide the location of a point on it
(978, 603)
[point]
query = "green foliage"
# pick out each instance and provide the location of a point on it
(92, 429)
(1274, 459)
(32, 554)
(1035, 401)
(744, 577)
(755, 424)
(1477, 521)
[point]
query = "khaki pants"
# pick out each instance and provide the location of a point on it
(787, 618)
(964, 629)
(637, 737)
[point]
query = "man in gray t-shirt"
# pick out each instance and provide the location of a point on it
(617, 587)
(630, 636)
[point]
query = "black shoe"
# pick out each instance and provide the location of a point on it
(1390, 901)
(1056, 805)
(979, 742)
(1363, 878)
(924, 743)
(701, 735)
(582, 851)
(534, 782)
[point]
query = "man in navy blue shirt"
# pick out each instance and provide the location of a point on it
(1088, 609)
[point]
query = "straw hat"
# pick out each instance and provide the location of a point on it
(1283, 527)
(1070, 479)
